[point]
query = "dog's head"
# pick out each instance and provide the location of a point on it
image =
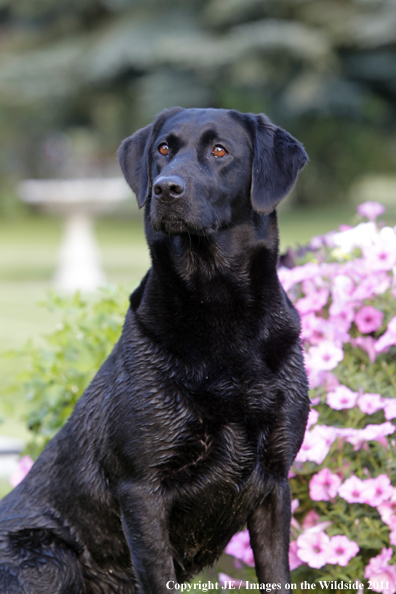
(200, 170)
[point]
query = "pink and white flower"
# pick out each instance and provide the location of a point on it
(387, 511)
(342, 293)
(389, 408)
(342, 318)
(379, 490)
(342, 397)
(325, 356)
(239, 547)
(24, 466)
(357, 437)
(388, 339)
(291, 276)
(359, 236)
(354, 490)
(370, 403)
(368, 319)
(366, 343)
(326, 432)
(316, 445)
(381, 255)
(310, 520)
(324, 485)
(294, 560)
(313, 548)
(371, 285)
(371, 210)
(314, 301)
(230, 583)
(380, 573)
(313, 418)
(342, 550)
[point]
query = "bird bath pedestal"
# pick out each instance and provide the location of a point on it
(78, 201)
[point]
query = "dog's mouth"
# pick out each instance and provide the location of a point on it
(172, 225)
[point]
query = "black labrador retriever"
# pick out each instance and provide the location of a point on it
(188, 431)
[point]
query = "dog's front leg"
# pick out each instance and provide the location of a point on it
(144, 522)
(269, 529)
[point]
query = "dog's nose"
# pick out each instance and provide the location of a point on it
(169, 187)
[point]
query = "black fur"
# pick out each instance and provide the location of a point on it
(188, 430)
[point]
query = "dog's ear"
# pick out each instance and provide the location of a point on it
(134, 161)
(277, 159)
(134, 156)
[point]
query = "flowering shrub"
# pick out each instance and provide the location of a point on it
(344, 504)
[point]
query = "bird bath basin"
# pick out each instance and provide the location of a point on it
(78, 202)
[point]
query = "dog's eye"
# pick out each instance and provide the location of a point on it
(219, 151)
(163, 149)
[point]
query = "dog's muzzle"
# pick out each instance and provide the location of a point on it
(169, 188)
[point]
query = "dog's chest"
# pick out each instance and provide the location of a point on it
(203, 432)
(210, 471)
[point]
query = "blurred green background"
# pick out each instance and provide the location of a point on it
(77, 76)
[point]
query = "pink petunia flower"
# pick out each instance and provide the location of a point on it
(342, 550)
(371, 285)
(24, 466)
(370, 403)
(294, 560)
(387, 510)
(366, 343)
(381, 255)
(291, 276)
(316, 378)
(313, 328)
(316, 329)
(313, 548)
(324, 485)
(294, 505)
(354, 490)
(310, 520)
(342, 397)
(230, 583)
(368, 319)
(314, 447)
(359, 236)
(380, 573)
(342, 320)
(331, 381)
(325, 356)
(239, 547)
(326, 432)
(371, 210)
(388, 339)
(389, 408)
(314, 301)
(312, 418)
(379, 490)
(357, 437)
(342, 293)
